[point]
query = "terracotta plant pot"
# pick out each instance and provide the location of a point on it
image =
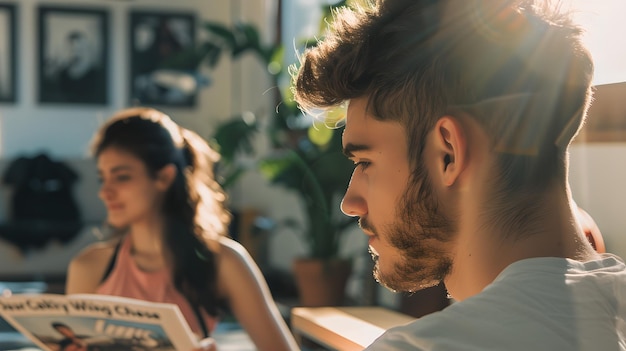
(321, 282)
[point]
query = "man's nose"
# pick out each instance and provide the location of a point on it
(353, 203)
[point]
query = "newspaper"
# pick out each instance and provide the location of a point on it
(86, 322)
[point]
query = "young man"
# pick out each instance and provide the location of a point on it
(459, 120)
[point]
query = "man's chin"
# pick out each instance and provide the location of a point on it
(383, 278)
(397, 283)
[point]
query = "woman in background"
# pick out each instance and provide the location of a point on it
(162, 198)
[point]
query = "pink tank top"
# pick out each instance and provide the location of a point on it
(128, 280)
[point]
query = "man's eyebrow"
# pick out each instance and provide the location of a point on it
(350, 149)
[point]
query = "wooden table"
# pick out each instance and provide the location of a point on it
(344, 328)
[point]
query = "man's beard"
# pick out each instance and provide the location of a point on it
(421, 234)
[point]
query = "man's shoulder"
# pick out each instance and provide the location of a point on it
(516, 314)
(426, 333)
(468, 325)
(482, 317)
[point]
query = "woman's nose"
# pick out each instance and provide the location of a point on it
(104, 193)
(354, 203)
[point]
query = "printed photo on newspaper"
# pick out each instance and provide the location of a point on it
(97, 323)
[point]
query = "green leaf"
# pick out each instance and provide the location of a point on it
(320, 135)
(235, 136)
(246, 39)
(277, 165)
(231, 178)
(222, 32)
(274, 57)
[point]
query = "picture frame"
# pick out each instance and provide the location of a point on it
(8, 54)
(73, 65)
(157, 75)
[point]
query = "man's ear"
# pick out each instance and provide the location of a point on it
(451, 149)
(165, 177)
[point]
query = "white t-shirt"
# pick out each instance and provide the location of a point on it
(534, 304)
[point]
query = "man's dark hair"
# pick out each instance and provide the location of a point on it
(516, 67)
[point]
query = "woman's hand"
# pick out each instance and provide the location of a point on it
(207, 344)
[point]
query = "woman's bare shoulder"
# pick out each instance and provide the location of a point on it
(231, 250)
(94, 255)
(234, 260)
(238, 273)
(86, 269)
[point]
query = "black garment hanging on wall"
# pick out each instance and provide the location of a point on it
(42, 204)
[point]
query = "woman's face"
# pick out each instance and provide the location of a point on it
(128, 191)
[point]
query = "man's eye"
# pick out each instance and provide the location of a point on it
(363, 164)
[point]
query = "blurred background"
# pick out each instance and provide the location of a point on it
(219, 68)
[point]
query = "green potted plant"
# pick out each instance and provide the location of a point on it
(305, 157)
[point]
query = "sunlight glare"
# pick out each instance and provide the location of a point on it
(604, 26)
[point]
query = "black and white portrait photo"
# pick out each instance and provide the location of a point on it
(156, 77)
(7, 53)
(73, 47)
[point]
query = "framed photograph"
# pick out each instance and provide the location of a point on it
(158, 76)
(8, 54)
(73, 55)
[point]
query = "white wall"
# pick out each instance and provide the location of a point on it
(598, 170)
(65, 130)
(597, 178)
(602, 20)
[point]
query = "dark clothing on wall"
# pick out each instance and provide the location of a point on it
(42, 204)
